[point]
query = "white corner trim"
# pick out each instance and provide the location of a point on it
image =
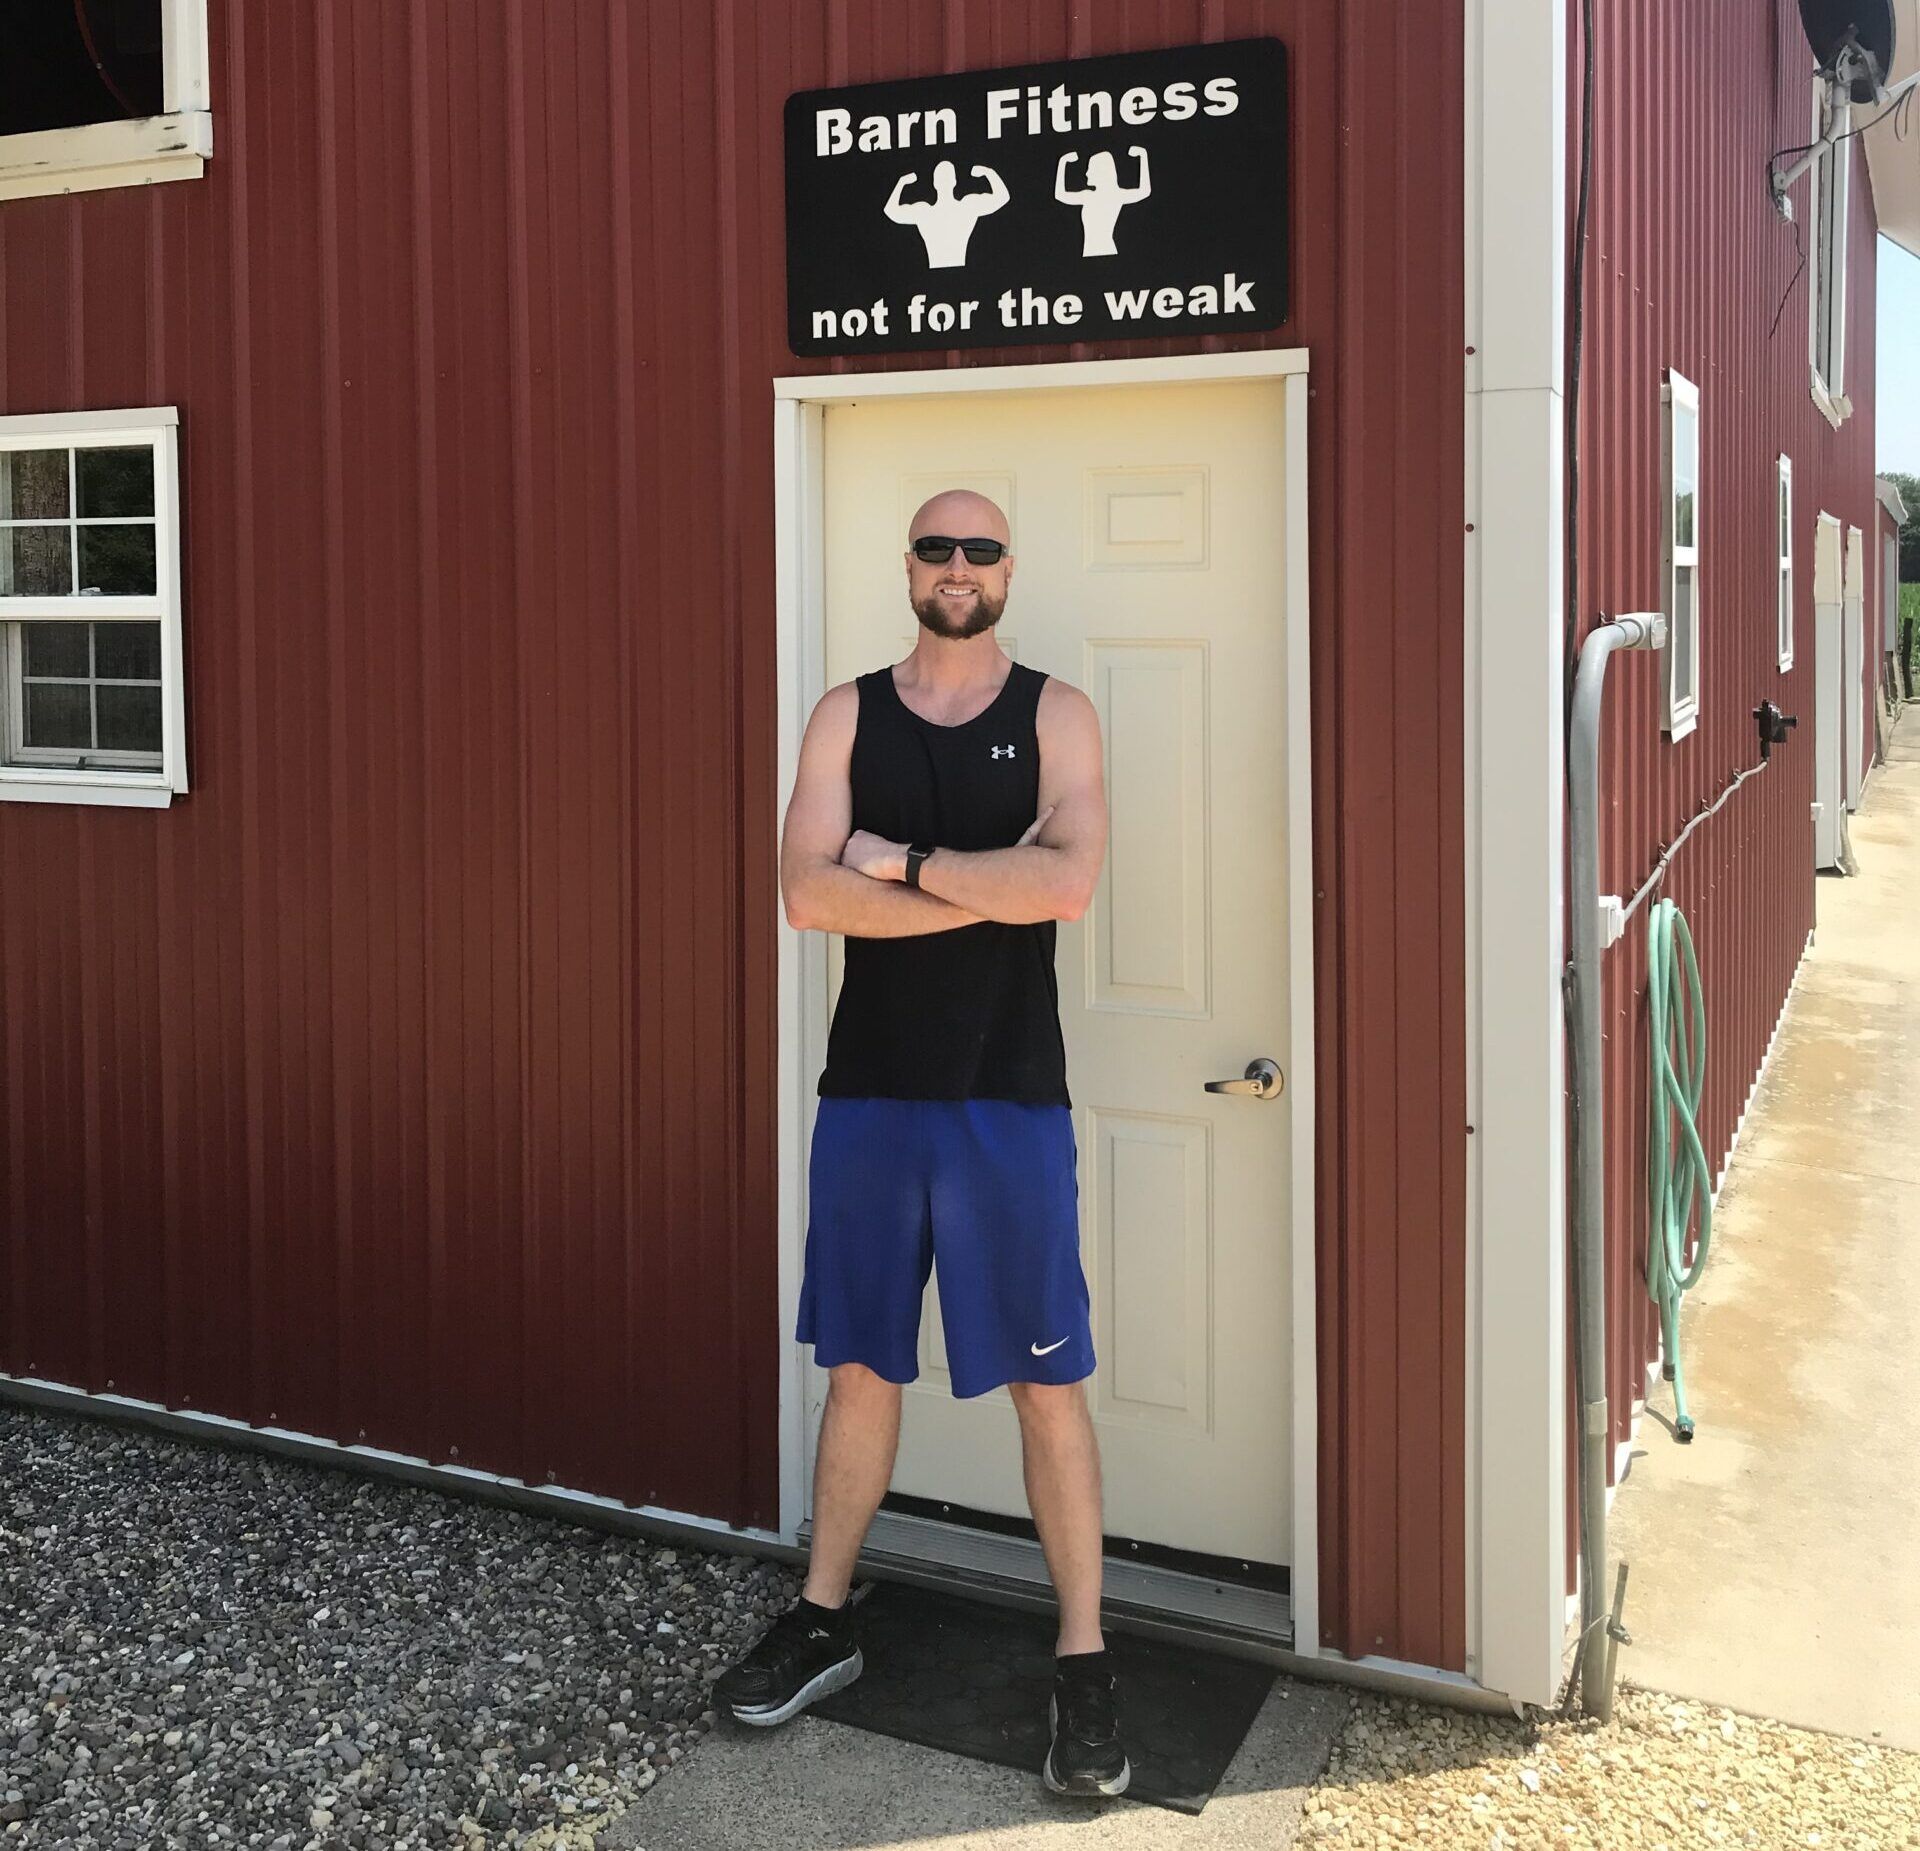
(1515, 137)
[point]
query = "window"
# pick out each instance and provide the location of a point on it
(100, 93)
(92, 700)
(1680, 535)
(1784, 540)
(1827, 262)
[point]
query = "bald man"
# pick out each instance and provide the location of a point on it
(949, 811)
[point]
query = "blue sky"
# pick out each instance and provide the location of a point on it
(1897, 409)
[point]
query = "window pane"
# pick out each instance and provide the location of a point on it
(117, 561)
(56, 649)
(33, 485)
(53, 53)
(126, 652)
(36, 562)
(115, 481)
(1686, 471)
(1786, 535)
(129, 719)
(58, 715)
(1681, 639)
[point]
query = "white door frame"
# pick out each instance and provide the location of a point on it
(799, 455)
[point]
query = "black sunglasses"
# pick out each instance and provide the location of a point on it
(935, 549)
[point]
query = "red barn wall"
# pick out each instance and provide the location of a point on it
(1686, 266)
(412, 1080)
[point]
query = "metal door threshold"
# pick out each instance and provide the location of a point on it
(1138, 1598)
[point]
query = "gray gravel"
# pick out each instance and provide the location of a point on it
(1667, 1774)
(207, 1647)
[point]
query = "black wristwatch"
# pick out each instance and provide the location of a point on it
(917, 852)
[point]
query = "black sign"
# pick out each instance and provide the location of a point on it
(1140, 196)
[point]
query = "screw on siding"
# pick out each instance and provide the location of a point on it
(1469, 527)
(1473, 350)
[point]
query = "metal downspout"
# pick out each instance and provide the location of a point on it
(1589, 1193)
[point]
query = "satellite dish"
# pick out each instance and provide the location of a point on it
(1852, 41)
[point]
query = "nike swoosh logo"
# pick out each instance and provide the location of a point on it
(1038, 1351)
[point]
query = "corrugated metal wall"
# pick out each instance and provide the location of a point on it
(413, 1078)
(1686, 267)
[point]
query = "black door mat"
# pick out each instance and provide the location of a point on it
(973, 1679)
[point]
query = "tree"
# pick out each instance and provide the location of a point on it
(1909, 487)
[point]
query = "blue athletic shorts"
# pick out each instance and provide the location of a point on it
(984, 1193)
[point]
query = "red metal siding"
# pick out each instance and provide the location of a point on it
(414, 1078)
(1687, 265)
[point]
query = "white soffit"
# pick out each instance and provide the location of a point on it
(1893, 162)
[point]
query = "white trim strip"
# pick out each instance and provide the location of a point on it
(103, 154)
(1516, 1389)
(558, 1500)
(925, 382)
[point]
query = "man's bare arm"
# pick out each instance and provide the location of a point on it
(820, 894)
(1054, 876)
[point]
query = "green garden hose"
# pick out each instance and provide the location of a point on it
(1676, 1169)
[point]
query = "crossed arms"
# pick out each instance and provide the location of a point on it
(834, 878)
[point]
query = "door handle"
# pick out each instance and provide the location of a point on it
(1263, 1080)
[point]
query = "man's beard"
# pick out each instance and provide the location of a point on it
(935, 615)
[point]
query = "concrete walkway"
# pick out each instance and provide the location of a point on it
(814, 1785)
(1775, 1562)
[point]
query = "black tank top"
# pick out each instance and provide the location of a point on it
(972, 1012)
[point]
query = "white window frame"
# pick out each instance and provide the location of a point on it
(1828, 219)
(1783, 539)
(174, 145)
(109, 784)
(1682, 711)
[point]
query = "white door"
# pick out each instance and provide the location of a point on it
(1854, 664)
(1829, 721)
(1148, 533)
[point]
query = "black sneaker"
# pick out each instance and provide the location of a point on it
(1086, 1756)
(807, 1652)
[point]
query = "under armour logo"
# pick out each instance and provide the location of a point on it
(1001, 751)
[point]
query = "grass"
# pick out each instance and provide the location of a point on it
(1910, 629)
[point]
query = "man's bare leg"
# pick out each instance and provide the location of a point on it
(1061, 1462)
(859, 1435)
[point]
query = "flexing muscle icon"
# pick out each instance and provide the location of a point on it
(1101, 198)
(947, 220)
